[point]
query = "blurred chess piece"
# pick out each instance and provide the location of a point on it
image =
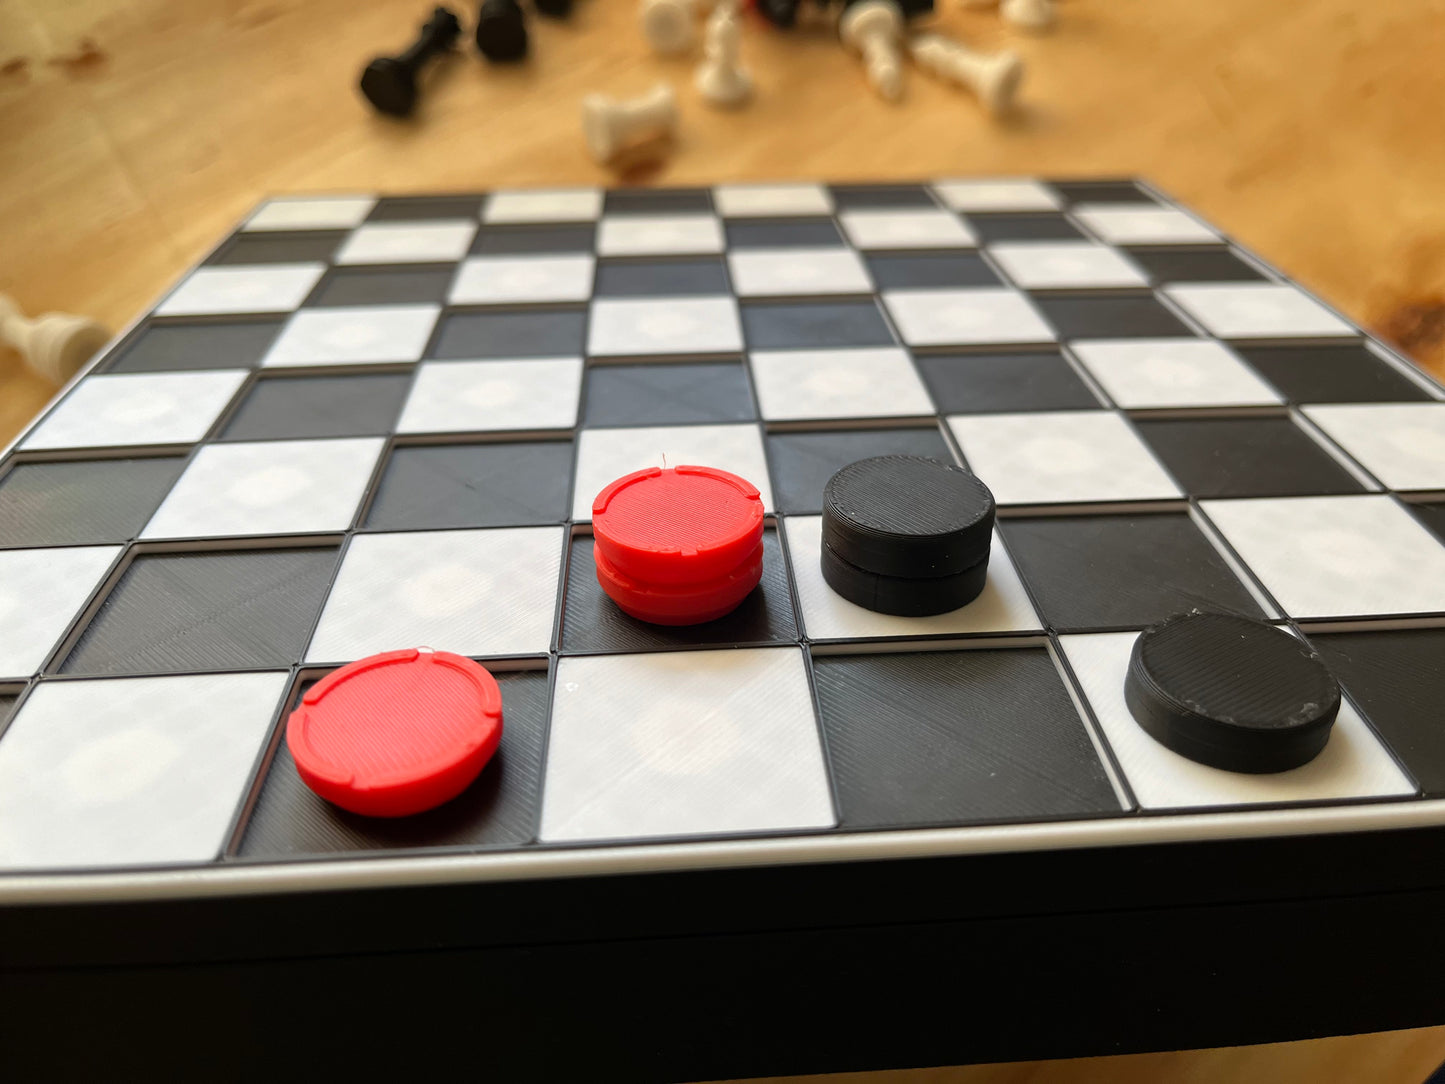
(670, 26)
(874, 29)
(55, 344)
(1034, 15)
(610, 126)
(721, 78)
(993, 77)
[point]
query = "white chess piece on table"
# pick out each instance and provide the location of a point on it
(993, 77)
(721, 78)
(670, 26)
(55, 344)
(874, 28)
(1033, 15)
(609, 125)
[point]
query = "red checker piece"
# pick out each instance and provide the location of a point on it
(688, 604)
(683, 526)
(397, 733)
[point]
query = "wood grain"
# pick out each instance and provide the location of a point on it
(134, 133)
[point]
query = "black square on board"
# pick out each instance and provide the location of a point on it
(1432, 516)
(312, 246)
(1101, 192)
(383, 286)
(667, 394)
(79, 503)
(1023, 226)
(538, 334)
(228, 344)
(1121, 572)
(499, 809)
(1217, 263)
(661, 278)
(7, 705)
(802, 463)
(939, 738)
(533, 240)
(422, 208)
(473, 485)
(1397, 681)
(592, 622)
(782, 233)
(1111, 317)
(856, 197)
(814, 325)
(1245, 457)
(1342, 373)
(930, 269)
(285, 408)
(178, 612)
(975, 384)
(657, 201)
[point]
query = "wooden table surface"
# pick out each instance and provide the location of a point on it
(134, 133)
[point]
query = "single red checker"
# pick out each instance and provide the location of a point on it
(397, 733)
(686, 525)
(686, 604)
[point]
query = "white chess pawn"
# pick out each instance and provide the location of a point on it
(670, 26)
(609, 125)
(56, 344)
(721, 78)
(1035, 15)
(993, 77)
(874, 28)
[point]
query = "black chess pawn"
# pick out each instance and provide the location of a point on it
(501, 31)
(553, 9)
(389, 82)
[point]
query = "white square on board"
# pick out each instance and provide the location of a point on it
(497, 280)
(1143, 224)
(683, 743)
(310, 213)
(1401, 444)
(1256, 310)
(209, 291)
(605, 455)
(267, 487)
(485, 396)
(861, 383)
(137, 408)
(771, 200)
(1061, 457)
(41, 591)
(409, 242)
(659, 235)
(1046, 265)
(1143, 374)
(797, 272)
(1353, 764)
(358, 334)
(483, 592)
(1000, 195)
(543, 205)
(966, 317)
(130, 771)
(1357, 556)
(905, 229)
(1003, 606)
(667, 326)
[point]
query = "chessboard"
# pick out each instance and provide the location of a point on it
(364, 424)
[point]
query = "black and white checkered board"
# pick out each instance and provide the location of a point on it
(364, 424)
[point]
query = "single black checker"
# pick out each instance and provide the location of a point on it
(1398, 683)
(1245, 457)
(1432, 516)
(1121, 572)
(383, 286)
(178, 612)
(311, 246)
(421, 208)
(661, 278)
(1345, 373)
(499, 809)
(653, 201)
(7, 705)
(232, 344)
(854, 197)
(929, 270)
(802, 463)
(473, 485)
(1113, 317)
(533, 240)
(956, 737)
(284, 408)
(782, 233)
(547, 333)
(815, 325)
(592, 622)
(1024, 226)
(667, 394)
(977, 384)
(1101, 192)
(1217, 263)
(78, 503)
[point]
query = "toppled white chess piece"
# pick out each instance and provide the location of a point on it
(55, 344)
(609, 125)
(874, 28)
(993, 77)
(1035, 15)
(670, 26)
(721, 78)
